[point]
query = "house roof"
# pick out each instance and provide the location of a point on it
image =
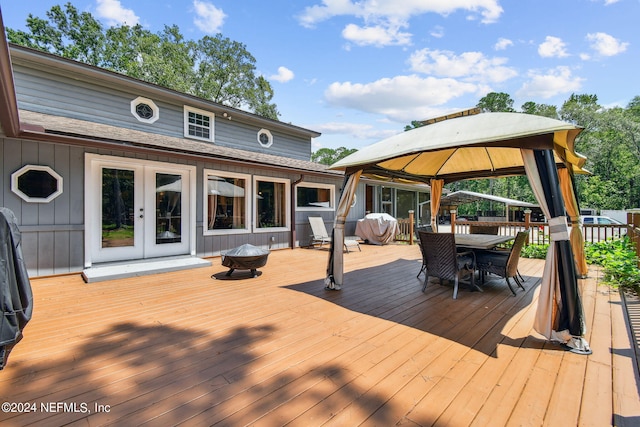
(103, 77)
(45, 127)
(84, 132)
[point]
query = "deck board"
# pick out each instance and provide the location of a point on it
(198, 348)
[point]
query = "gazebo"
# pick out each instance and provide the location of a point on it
(480, 146)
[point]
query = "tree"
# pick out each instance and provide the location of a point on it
(414, 125)
(496, 102)
(68, 33)
(545, 110)
(328, 156)
(213, 68)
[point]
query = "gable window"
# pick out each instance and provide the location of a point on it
(36, 184)
(272, 203)
(312, 196)
(265, 138)
(145, 110)
(198, 124)
(226, 202)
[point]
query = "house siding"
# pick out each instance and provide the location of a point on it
(43, 92)
(53, 233)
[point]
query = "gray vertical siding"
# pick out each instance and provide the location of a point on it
(52, 233)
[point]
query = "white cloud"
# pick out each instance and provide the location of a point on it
(473, 66)
(209, 19)
(382, 19)
(605, 44)
(284, 75)
(437, 32)
(608, 2)
(114, 14)
(552, 47)
(556, 81)
(502, 44)
(355, 130)
(376, 35)
(401, 98)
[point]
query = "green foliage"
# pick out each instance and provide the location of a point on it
(414, 125)
(537, 251)
(618, 260)
(328, 156)
(616, 257)
(213, 68)
(496, 102)
(545, 110)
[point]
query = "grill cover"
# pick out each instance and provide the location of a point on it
(246, 257)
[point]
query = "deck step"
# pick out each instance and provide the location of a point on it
(111, 271)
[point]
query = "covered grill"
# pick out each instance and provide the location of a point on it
(245, 257)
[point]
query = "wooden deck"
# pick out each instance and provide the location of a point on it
(189, 348)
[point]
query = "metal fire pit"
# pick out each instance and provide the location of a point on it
(245, 257)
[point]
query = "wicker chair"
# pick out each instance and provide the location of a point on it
(503, 263)
(427, 229)
(443, 261)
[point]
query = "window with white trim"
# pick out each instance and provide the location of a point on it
(226, 202)
(198, 124)
(314, 196)
(272, 204)
(36, 184)
(265, 138)
(145, 110)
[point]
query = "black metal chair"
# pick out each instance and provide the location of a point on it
(443, 261)
(503, 263)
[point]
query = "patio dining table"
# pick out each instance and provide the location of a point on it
(480, 241)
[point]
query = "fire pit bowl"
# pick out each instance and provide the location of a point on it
(245, 257)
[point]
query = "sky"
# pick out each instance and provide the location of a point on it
(360, 71)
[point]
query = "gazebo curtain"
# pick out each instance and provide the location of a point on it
(436, 195)
(559, 316)
(335, 266)
(571, 204)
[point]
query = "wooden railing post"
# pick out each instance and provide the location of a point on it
(411, 227)
(453, 220)
(633, 230)
(527, 224)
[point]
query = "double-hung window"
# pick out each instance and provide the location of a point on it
(198, 124)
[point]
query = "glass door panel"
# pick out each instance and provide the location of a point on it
(118, 216)
(168, 218)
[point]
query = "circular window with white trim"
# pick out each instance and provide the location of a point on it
(145, 110)
(36, 184)
(265, 138)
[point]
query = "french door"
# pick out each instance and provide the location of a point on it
(138, 209)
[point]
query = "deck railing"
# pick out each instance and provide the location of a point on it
(538, 231)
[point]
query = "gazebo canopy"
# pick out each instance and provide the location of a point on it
(475, 146)
(479, 146)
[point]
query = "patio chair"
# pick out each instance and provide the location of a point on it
(444, 261)
(503, 263)
(427, 229)
(320, 236)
